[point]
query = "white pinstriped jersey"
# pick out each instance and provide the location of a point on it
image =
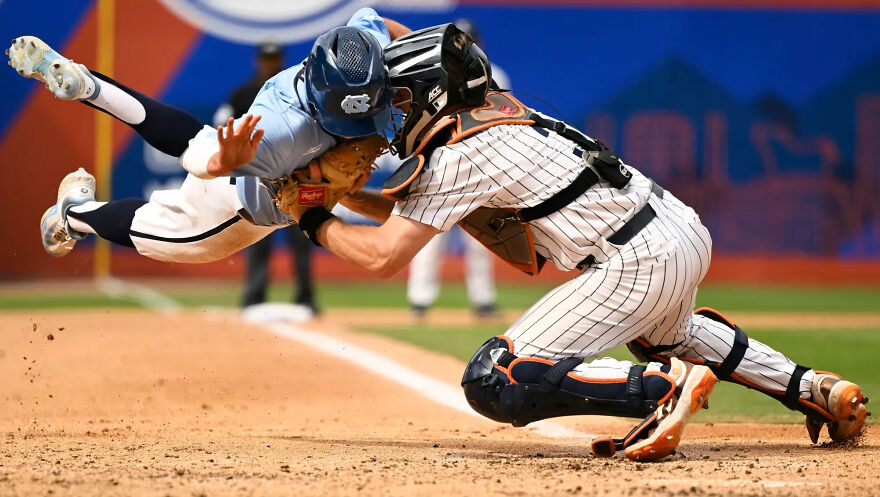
(518, 166)
(648, 287)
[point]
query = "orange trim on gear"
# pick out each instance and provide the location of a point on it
(389, 192)
(828, 372)
(729, 321)
(476, 129)
(667, 378)
(446, 121)
(584, 379)
(508, 340)
(811, 405)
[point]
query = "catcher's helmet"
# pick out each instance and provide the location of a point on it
(444, 70)
(347, 84)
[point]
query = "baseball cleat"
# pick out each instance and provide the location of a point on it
(844, 400)
(693, 386)
(76, 188)
(33, 58)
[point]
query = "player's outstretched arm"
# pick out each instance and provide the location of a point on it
(369, 203)
(382, 250)
(238, 146)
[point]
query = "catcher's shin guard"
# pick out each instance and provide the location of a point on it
(836, 402)
(520, 390)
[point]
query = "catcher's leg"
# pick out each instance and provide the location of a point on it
(480, 277)
(164, 127)
(519, 390)
(197, 223)
(713, 340)
(423, 282)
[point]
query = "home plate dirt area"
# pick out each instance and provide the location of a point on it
(136, 402)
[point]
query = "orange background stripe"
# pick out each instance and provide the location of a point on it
(49, 138)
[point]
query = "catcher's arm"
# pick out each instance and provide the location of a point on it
(395, 29)
(369, 203)
(382, 250)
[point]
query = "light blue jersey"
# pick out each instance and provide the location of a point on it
(292, 137)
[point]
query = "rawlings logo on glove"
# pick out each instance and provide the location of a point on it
(328, 177)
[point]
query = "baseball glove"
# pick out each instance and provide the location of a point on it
(340, 169)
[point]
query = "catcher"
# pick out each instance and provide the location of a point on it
(534, 189)
(326, 111)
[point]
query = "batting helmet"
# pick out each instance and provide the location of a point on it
(444, 70)
(347, 84)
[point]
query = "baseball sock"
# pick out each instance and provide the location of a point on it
(109, 220)
(163, 126)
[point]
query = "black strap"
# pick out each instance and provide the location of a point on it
(568, 132)
(585, 180)
(505, 359)
(731, 362)
(633, 226)
(793, 391)
(635, 394)
(658, 349)
(551, 379)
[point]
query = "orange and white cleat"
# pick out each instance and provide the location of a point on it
(844, 401)
(693, 386)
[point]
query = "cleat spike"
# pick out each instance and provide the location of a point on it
(864, 400)
(852, 417)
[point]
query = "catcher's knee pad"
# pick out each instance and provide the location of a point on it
(519, 390)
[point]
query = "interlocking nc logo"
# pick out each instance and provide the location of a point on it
(356, 104)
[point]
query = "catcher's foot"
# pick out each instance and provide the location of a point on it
(842, 399)
(33, 58)
(76, 188)
(693, 386)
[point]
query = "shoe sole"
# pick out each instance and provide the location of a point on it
(25, 53)
(29, 56)
(54, 253)
(666, 437)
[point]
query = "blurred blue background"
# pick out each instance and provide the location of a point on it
(766, 120)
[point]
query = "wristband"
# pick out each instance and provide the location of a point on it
(311, 222)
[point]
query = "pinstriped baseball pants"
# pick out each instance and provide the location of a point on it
(646, 290)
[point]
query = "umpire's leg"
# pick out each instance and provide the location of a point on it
(301, 250)
(257, 274)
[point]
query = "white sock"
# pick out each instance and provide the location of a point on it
(80, 226)
(115, 101)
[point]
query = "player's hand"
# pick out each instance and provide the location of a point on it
(238, 146)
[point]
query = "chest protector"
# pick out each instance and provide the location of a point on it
(503, 231)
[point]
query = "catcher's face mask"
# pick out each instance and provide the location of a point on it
(444, 71)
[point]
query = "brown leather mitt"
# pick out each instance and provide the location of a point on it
(339, 168)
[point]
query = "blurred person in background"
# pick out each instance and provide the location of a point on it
(423, 284)
(269, 62)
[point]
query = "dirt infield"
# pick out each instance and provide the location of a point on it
(137, 403)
